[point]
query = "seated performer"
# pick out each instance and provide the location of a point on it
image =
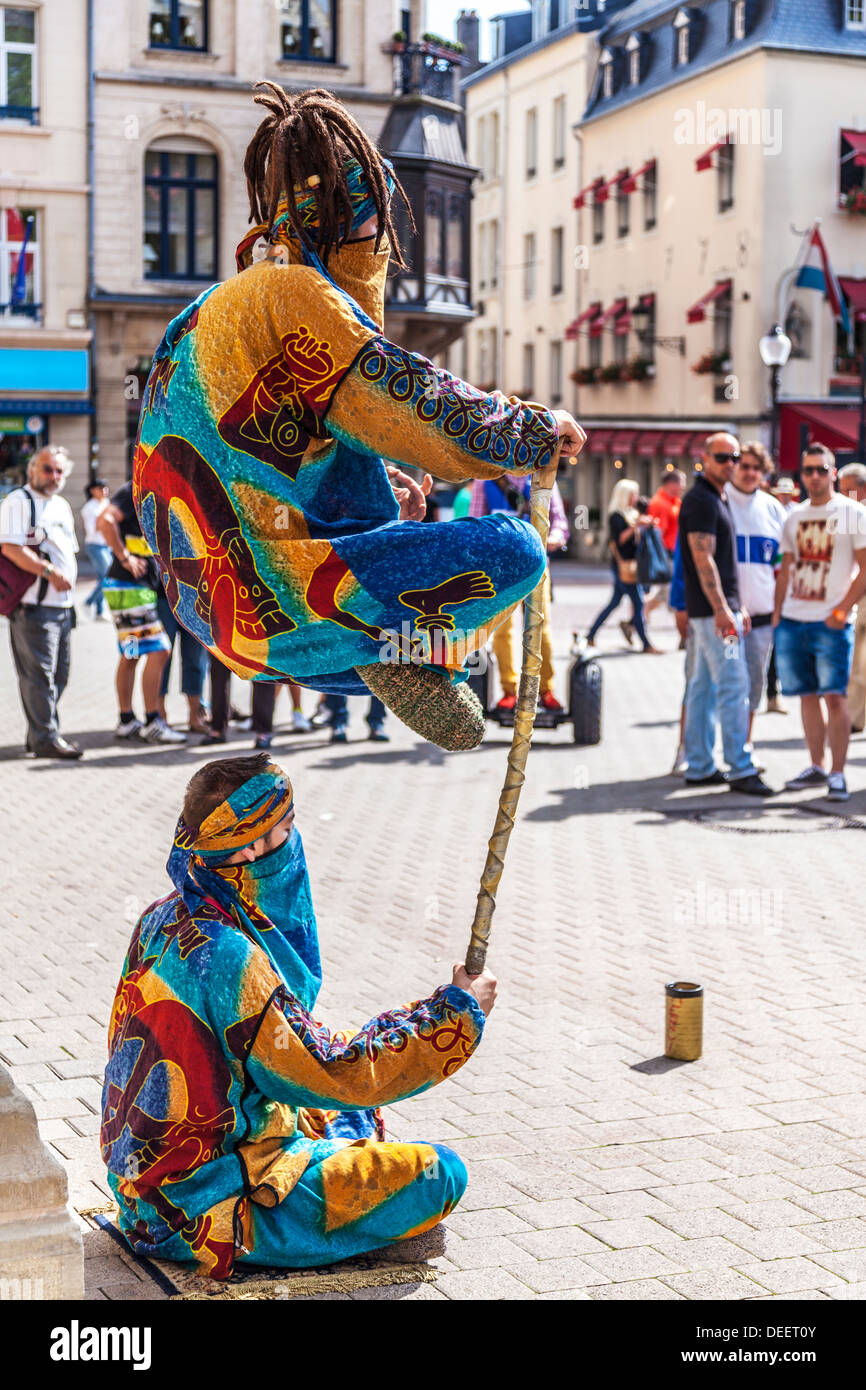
(235, 1126)
(258, 473)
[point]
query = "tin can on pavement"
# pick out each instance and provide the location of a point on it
(684, 1021)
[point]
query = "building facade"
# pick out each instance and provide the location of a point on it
(44, 330)
(173, 83)
(715, 137)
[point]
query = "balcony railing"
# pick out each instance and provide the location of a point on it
(20, 113)
(437, 294)
(422, 69)
(28, 311)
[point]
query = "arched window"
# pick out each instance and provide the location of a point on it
(180, 210)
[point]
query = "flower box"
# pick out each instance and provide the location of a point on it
(712, 364)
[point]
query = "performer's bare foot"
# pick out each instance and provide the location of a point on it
(445, 714)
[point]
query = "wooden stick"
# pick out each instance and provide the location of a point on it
(524, 719)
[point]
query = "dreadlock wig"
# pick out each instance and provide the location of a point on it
(310, 166)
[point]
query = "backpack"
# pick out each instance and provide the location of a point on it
(14, 581)
(653, 561)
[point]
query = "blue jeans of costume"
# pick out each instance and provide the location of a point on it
(338, 705)
(621, 591)
(100, 558)
(194, 658)
(718, 690)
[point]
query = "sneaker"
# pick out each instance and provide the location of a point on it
(263, 742)
(130, 729)
(775, 706)
(627, 632)
(812, 777)
(339, 736)
(377, 734)
(157, 731)
(507, 702)
(212, 738)
(751, 786)
(837, 789)
(714, 779)
(300, 723)
(549, 701)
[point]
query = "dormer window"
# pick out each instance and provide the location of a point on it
(738, 20)
(855, 14)
(682, 38)
(633, 49)
(607, 73)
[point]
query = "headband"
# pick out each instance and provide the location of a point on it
(244, 817)
(363, 208)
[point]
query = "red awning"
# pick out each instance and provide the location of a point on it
(644, 304)
(629, 184)
(855, 291)
(596, 327)
(622, 442)
(697, 442)
(580, 200)
(649, 441)
(622, 324)
(857, 140)
(705, 160)
(697, 313)
(599, 440)
(833, 425)
(675, 443)
(591, 312)
(618, 307)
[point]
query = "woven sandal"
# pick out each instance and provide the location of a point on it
(445, 714)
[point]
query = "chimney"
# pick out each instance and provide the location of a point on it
(468, 35)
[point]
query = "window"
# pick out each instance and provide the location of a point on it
(481, 145)
(179, 24)
(529, 266)
(597, 221)
(726, 176)
(645, 314)
(633, 49)
(180, 215)
(308, 30)
(484, 373)
(723, 307)
(623, 208)
(483, 255)
(454, 259)
(559, 132)
(852, 172)
(595, 351)
(18, 65)
(492, 152)
(682, 38)
(528, 371)
(620, 349)
(555, 373)
(855, 14)
(531, 143)
(738, 20)
(607, 73)
(19, 263)
(494, 253)
(650, 198)
(557, 241)
(433, 209)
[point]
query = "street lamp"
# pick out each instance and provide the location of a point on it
(775, 349)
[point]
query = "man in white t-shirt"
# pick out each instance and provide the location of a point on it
(758, 520)
(821, 578)
(37, 533)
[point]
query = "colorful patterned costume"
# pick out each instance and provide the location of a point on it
(260, 483)
(233, 1124)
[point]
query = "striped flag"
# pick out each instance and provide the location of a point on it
(19, 284)
(816, 273)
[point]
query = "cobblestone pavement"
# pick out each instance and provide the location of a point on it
(598, 1170)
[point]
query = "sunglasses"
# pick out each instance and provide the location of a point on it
(727, 458)
(814, 468)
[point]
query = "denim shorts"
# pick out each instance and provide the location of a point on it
(812, 658)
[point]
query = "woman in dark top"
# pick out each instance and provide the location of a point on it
(624, 529)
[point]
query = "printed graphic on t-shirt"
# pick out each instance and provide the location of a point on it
(814, 556)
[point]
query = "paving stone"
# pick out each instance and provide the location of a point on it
(787, 1276)
(715, 1283)
(638, 1263)
(780, 1241)
(498, 1221)
(559, 1242)
(481, 1285)
(549, 1276)
(839, 1235)
(706, 1252)
(848, 1264)
(639, 1230)
(833, 1206)
(638, 1290)
(547, 1215)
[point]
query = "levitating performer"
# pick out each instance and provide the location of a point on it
(234, 1126)
(259, 473)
